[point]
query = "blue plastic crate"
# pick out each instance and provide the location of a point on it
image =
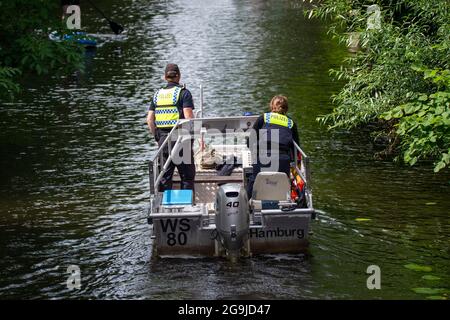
(177, 197)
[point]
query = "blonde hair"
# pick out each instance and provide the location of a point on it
(279, 104)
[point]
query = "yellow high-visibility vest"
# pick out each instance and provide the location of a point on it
(166, 111)
(278, 119)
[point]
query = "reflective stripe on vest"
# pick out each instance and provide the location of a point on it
(278, 119)
(166, 111)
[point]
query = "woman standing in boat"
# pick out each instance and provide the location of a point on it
(275, 133)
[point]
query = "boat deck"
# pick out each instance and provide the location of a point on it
(207, 182)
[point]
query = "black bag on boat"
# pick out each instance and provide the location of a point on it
(226, 168)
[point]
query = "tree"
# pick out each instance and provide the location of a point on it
(25, 47)
(399, 79)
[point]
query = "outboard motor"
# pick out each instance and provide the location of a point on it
(232, 218)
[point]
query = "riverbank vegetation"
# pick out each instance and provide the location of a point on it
(398, 78)
(25, 48)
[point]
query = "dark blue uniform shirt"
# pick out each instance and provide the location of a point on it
(284, 141)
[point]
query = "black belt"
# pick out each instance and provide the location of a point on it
(281, 149)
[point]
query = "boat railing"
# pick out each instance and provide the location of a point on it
(158, 164)
(160, 161)
(304, 171)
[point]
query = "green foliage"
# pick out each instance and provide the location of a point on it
(430, 290)
(399, 74)
(424, 124)
(7, 84)
(430, 277)
(418, 267)
(25, 48)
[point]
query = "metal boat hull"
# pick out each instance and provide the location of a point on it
(193, 236)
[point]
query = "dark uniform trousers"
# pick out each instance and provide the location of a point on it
(185, 170)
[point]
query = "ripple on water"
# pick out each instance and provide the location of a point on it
(74, 186)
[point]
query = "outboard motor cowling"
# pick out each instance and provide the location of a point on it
(232, 217)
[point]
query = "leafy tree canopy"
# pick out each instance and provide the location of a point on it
(399, 75)
(25, 47)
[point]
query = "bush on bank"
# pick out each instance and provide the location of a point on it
(399, 75)
(25, 48)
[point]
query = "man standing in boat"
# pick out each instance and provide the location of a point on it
(170, 103)
(275, 133)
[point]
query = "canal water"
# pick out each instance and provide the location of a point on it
(74, 154)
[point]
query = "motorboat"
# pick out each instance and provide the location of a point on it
(218, 218)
